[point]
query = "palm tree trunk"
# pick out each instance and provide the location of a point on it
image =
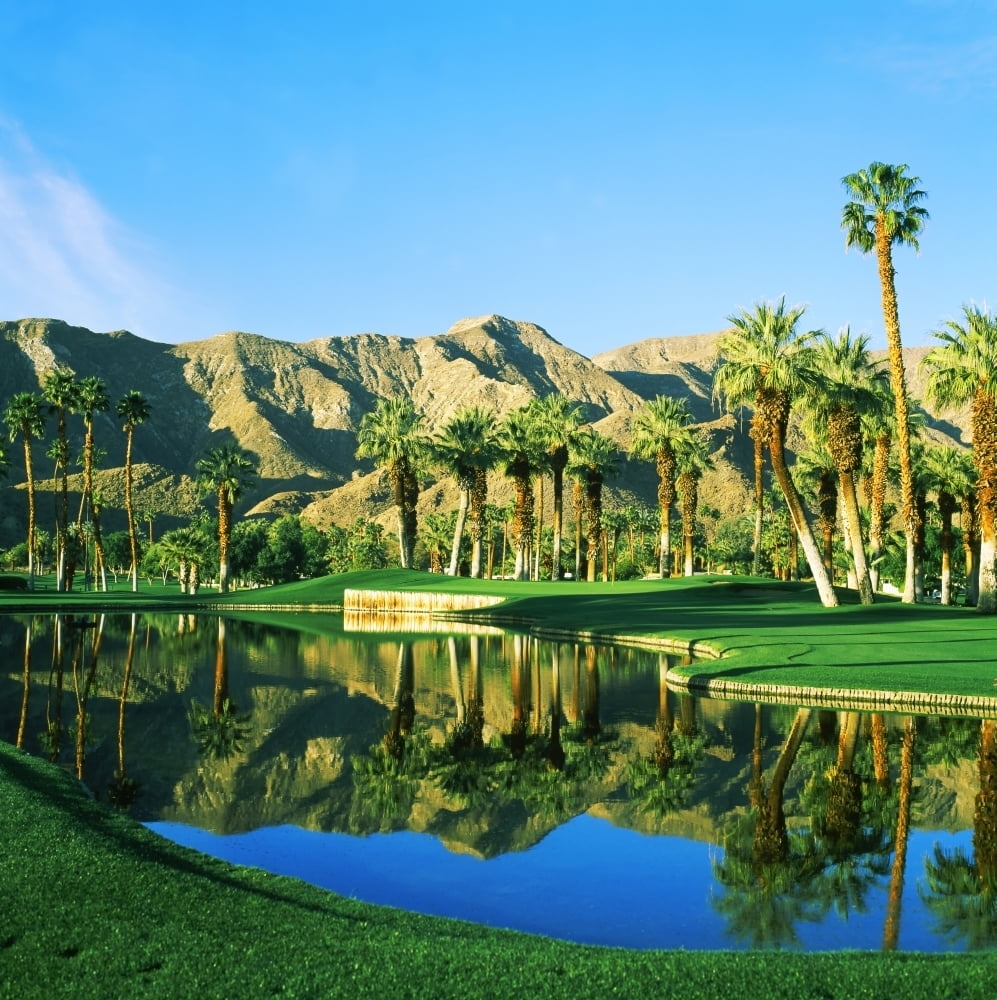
(877, 505)
(666, 497)
(799, 518)
(29, 472)
(224, 533)
(851, 507)
(557, 519)
(458, 534)
(759, 461)
(130, 507)
(898, 382)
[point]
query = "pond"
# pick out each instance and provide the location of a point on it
(558, 788)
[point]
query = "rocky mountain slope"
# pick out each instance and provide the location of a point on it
(297, 407)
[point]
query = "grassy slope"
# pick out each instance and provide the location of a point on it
(92, 904)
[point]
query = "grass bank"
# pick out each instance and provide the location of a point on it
(95, 906)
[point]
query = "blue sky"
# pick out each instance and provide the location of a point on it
(610, 171)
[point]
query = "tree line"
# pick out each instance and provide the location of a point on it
(856, 415)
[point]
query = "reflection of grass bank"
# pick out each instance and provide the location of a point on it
(96, 906)
(768, 632)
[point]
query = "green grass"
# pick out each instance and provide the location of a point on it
(93, 905)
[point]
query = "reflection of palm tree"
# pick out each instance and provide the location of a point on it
(770, 875)
(384, 779)
(23, 721)
(123, 790)
(220, 732)
(661, 781)
(83, 679)
(891, 928)
(962, 891)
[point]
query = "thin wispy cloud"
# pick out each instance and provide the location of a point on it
(945, 70)
(62, 254)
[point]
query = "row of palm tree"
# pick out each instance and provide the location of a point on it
(26, 415)
(544, 437)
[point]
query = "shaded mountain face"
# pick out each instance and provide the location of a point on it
(297, 407)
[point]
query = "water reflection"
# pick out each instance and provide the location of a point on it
(492, 742)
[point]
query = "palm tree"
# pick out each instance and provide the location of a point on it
(884, 212)
(847, 389)
(558, 420)
(91, 398)
(660, 430)
(815, 467)
(184, 548)
(522, 453)
(392, 434)
(225, 471)
(692, 461)
(765, 361)
(877, 431)
(466, 447)
(133, 409)
(61, 391)
(964, 370)
(24, 415)
(595, 456)
(953, 477)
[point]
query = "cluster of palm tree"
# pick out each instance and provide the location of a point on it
(545, 439)
(26, 415)
(224, 471)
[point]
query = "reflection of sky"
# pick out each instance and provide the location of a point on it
(587, 881)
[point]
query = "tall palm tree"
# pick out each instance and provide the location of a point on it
(523, 452)
(765, 361)
(92, 398)
(815, 467)
(964, 370)
(61, 391)
(392, 434)
(660, 430)
(25, 415)
(133, 409)
(558, 420)
(850, 385)
(596, 457)
(692, 461)
(886, 211)
(466, 447)
(225, 471)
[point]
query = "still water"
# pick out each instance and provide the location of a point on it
(557, 788)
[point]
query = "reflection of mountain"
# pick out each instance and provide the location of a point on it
(315, 703)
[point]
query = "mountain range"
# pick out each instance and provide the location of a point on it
(296, 406)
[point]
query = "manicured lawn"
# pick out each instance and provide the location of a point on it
(93, 905)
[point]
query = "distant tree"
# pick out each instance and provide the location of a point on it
(133, 409)
(595, 457)
(692, 461)
(25, 415)
(92, 399)
(522, 453)
(61, 392)
(466, 447)
(225, 471)
(393, 435)
(557, 421)
(660, 430)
